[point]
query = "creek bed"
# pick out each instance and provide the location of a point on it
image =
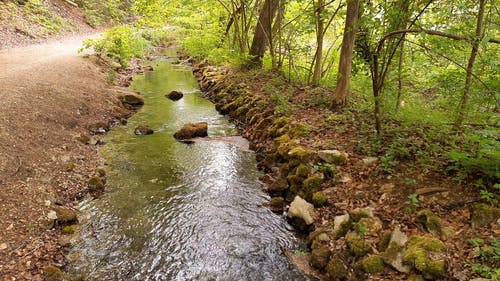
(174, 211)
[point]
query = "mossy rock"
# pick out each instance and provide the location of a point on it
(320, 256)
(369, 226)
(357, 245)
(143, 130)
(415, 277)
(83, 138)
(52, 273)
(303, 170)
(283, 139)
(277, 204)
(372, 264)
(299, 130)
(337, 269)
(328, 170)
(422, 253)
(131, 100)
(359, 213)
(384, 240)
(96, 184)
(278, 186)
(70, 166)
(251, 113)
(101, 172)
(174, 95)
(192, 130)
(484, 214)
(300, 153)
(294, 180)
(70, 229)
(430, 222)
(342, 225)
(312, 185)
(65, 215)
(319, 199)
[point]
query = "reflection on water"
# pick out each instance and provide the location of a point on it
(175, 211)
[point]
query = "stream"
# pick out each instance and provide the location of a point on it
(174, 211)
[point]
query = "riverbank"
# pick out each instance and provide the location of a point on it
(56, 104)
(369, 223)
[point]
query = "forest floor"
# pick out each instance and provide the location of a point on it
(49, 96)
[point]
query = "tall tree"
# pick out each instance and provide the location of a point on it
(472, 58)
(263, 31)
(320, 26)
(346, 51)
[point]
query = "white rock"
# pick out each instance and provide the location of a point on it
(338, 221)
(52, 215)
(398, 237)
(333, 156)
(302, 209)
(3, 246)
(368, 161)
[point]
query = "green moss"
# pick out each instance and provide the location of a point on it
(96, 184)
(294, 180)
(419, 252)
(283, 139)
(277, 202)
(357, 244)
(303, 171)
(426, 243)
(313, 182)
(319, 199)
(483, 214)
(430, 222)
(52, 273)
(300, 153)
(359, 213)
(372, 264)
(300, 130)
(384, 241)
(70, 167)
(343, 229)
(320, 257)
(70, 229)
(336, 269)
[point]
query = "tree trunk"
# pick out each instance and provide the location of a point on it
(345, 63)
(462, 108)
(319, 43)
(400, 74)
(263, 31)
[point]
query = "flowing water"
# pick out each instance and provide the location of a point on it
(174, 211)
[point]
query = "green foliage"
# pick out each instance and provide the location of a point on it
(120, 43)
(489, 256)
(412, 204)
(282, 104)
(101, 12)
(477, 156)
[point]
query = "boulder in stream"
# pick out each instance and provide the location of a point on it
(174, 95)
(192, 130)
(143, 130)
(131, 100)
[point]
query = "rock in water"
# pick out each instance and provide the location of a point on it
(131, 100)
(175, 95)
(192, 130)
(300, 213)
(143, 130)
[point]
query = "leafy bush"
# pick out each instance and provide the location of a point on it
(120, 44)
(477, 157)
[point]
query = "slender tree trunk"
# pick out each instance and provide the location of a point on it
(346, 51)
(400, 74)
(318, 67)
(263, 31)
(462, 108)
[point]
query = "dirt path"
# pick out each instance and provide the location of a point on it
(49, 95)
